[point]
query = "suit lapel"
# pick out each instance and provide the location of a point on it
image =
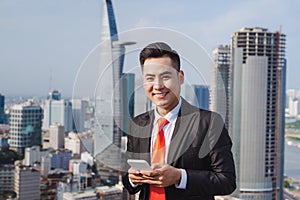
(185, 131)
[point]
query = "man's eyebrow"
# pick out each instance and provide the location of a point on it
(161, 74)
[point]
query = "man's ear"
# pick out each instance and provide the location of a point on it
(181, 76)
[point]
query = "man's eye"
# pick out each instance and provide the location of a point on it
(149, 79)
(166, 77)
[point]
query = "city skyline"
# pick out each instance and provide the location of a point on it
(47, 42)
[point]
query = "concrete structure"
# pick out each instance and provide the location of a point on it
(32, 155)
(109, 92)
(25, 126)
(219, 101)
(258, 73)
(27, 182)
(79, 108)
(77, 166)
(57, 111)
(6, 177)
(73, 143)
(57, 136)
(60, 159)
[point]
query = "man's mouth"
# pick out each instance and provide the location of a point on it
(160, 94)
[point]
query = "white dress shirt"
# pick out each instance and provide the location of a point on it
(168, 132)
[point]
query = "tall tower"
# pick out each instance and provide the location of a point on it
(25, 126)
(109, 93)
(258, 71)
(219, 101)
(57, 111)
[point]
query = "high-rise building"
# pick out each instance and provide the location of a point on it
(79, 108)
(258, 73)
(57, 136)
(25, 126)
(219, 101)
(128, 81)
(57, 111)
(2, 114)
(197, 95)
(109, 93)
(26, 182)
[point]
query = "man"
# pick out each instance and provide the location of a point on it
(189, 148)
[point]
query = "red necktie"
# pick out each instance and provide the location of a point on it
(158, 156)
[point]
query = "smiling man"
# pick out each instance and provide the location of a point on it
(188, 148)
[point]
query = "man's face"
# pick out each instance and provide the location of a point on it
(162, 83)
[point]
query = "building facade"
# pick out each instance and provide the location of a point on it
(257, 101)
(25, 126)
(56, 136)
(57, 111)
(6, 177)
(27, 182)
(219, 98)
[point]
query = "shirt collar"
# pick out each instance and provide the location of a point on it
(170, 116)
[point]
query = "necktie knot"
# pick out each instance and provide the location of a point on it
(161, 123)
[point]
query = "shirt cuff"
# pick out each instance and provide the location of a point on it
(133, 185)
(183, 181)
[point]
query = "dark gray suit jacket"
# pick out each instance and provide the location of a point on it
(200, 144)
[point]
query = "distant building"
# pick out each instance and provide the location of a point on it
(73, 143)
(25, 126)
(77, 166)
(3, 142)
(60, 159)
(36, 155)
(2, 113)
(57, 136)
(79, 109)
(219, 101)
(197, 95)
(32, 155)
(128, 86)
(26, 182)
(6, 177)
(57, 111)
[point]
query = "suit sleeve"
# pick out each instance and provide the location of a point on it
(220, 179)
(125, 178)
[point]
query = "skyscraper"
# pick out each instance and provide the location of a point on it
(219, 101)
(197, 95)
(25, 126)
(109, 92)
(79, 109)
(2, 100)
(258, 67)
(57, 111)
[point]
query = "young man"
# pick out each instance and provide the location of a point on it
(188, 148)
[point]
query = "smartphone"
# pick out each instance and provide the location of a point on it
(139, 164)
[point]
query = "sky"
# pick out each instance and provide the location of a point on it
(44, 43)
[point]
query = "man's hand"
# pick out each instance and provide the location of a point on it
(162, 175)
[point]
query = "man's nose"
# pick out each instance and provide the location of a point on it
(158, 84)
